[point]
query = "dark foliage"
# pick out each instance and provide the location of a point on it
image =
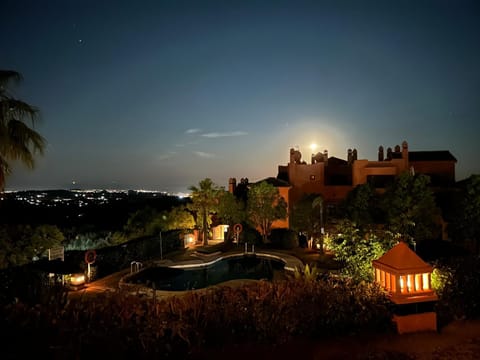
(29, 285)
(250, 235)
(123, 326)
(460, 296)
(284, 239)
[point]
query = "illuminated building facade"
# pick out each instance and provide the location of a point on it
(334, 178)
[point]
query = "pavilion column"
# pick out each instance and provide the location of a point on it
(420, 282)
(398, 288)
(393, 287)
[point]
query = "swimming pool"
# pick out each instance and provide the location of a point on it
(201, 276)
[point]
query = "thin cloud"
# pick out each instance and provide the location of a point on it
(225, 134)
(192, 131)
(166, 156)
(194, 142)
(204, 154)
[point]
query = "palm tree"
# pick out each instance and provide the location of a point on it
(204, 202)
(18, 139)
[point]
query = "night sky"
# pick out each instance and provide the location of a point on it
(161, 94)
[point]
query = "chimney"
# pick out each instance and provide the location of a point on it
(325, 156)
(380, 153)
(405, 150)
(232, 184)
(354, 154)
(349, 156)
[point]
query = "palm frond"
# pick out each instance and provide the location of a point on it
(16, 109)
(23, 142)
(18, 140)
(7, 76)
(3, 135)
(4, 171)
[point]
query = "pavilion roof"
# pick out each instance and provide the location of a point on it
(402, 259)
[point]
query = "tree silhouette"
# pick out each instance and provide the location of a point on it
(18, 139)
(466, 222)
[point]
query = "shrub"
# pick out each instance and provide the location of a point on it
(460, 295)
(309, 273)
(90, 240)
(355, 250)
(125, 325)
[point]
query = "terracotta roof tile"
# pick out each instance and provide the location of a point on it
(442, 155)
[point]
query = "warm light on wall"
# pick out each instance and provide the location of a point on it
(189, 239)
(426, 282)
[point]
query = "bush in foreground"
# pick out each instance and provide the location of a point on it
(458, 286)
(126, 325)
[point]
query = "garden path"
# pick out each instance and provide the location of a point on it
(459, 340)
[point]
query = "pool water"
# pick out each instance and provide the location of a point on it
(177, 279)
